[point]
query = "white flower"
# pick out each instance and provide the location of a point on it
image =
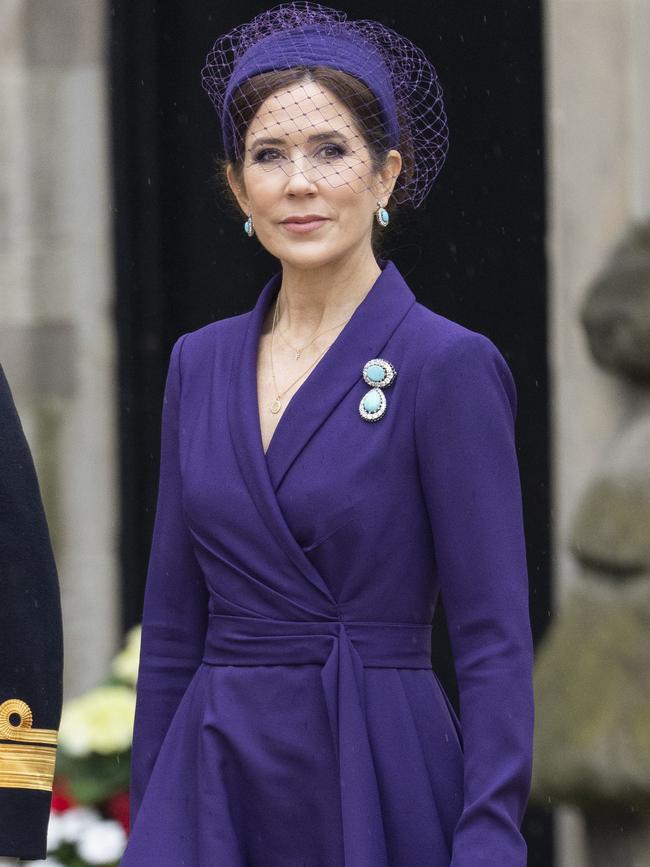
(125, 664)
(54, 832)
(102, 843)
(67, 827)
(99, 721)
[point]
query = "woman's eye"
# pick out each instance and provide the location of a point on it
(331, 151)
(260, 156)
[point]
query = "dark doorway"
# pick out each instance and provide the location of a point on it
(473, 252)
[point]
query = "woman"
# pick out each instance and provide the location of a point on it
(331, 461)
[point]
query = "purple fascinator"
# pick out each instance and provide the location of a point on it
(407, 107)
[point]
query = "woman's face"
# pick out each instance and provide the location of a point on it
(304, 156)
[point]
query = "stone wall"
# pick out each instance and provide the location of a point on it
(56, 329)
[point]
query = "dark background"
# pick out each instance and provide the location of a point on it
(474, 251)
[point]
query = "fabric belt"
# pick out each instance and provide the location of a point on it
(343, 648)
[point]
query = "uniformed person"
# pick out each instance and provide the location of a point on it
(31, 648)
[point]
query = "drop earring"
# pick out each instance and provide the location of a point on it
(382, 215)
(248, 226)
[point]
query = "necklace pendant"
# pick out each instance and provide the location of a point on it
(298, 353)
(276, 406)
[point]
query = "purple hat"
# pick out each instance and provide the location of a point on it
(315, 45)
(305, 34)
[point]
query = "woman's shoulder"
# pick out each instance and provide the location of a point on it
(205, 339)
(456, 362)
(438, 340)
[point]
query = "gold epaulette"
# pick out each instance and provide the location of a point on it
(28, 761)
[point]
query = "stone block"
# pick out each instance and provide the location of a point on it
(40, 358)
(611, 527)
(592, 688)
(63, 33)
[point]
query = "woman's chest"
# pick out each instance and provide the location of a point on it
(281, 370)
(346, 469)
(343, 498)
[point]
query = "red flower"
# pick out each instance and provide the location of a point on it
(62, 798)
(117, 808)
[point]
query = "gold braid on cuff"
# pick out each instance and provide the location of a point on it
(26, 763)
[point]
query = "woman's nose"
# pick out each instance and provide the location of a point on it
(301, 173)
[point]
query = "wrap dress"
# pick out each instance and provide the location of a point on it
(287, 712)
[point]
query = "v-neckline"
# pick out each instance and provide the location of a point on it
(330, 348)
(337, 372)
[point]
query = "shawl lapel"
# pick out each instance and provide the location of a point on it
(338, 371)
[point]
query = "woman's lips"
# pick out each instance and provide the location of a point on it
(301, 228)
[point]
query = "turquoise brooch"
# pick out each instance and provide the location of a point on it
(379, 374)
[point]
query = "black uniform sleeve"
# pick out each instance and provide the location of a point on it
(31, 646)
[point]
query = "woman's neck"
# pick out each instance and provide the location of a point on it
(316, 299)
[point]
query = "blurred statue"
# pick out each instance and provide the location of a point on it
(593, 671)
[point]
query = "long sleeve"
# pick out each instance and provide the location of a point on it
(465, 418)
(31, 646)
(175, 604)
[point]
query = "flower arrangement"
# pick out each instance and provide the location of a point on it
(89, 819)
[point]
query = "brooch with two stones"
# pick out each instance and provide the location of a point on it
(379, 374)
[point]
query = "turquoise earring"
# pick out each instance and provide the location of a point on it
(248, 226)
(382, 215)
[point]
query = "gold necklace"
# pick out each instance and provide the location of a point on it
(302, 349)
(276, 406)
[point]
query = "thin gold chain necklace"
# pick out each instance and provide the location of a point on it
(276, 406)
(302, 348)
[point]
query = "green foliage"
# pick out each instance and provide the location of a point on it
(95, 778)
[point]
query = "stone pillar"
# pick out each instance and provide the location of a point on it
(598, 147)
(56, 329)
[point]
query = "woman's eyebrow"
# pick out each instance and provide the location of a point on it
(320, 136)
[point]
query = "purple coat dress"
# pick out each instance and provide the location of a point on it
(288, 714)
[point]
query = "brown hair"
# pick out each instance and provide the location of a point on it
(358, 99)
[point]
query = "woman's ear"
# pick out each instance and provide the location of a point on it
(388, 174)
(238, 189)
